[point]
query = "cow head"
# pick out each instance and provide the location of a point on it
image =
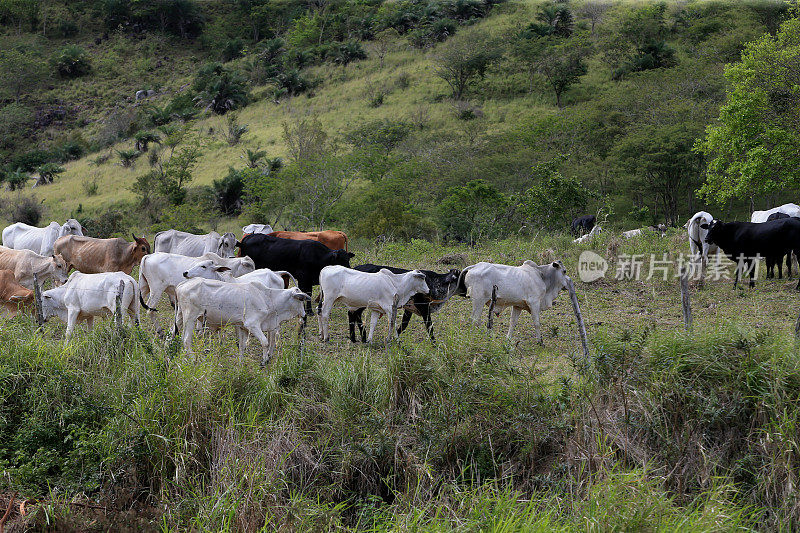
(142, 247)
(417, 282)
(341, 258)
(207, 270)
(227, 245)
(53, 305)
(60, 269)
(711, 229)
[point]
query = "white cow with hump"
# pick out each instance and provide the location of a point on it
(189, 244)
(272, 279)
(161, 272)
(257, 228)
(793, 210)
(85, 296)
(528, 287)
(375, 291)
(250, 306)
(698, 247)
(21, 236)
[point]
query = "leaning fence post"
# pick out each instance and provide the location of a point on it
(37, 298)
(118, 310)
(490, 320)
(685, 301)
(581, 327)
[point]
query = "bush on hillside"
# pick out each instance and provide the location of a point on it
(72, 61)
(21, 208)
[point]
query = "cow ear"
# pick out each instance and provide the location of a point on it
(419, 275)
(704, 225)
(238, 244)
(350, 255)
(556, 264)
(221, 269)
(303, 297)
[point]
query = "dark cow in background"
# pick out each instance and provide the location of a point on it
(583, 224)
(303, 259)
(772, 240)
(441, 286)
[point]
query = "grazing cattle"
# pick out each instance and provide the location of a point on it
(25, 263)
(699, 247)
(374, 291)
(251, 307)
(85, 296)
(304, 259)
(13, 296)
(189, 244)
(743, 242)
(793, 210)
(441, 288)
(161, 272)
(92, 256)
(529, 287)
(21, 236)
(257, 228)
(335, 240)
(596, 230)
(583, 224)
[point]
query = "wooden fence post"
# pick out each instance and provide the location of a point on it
(118, 310)
(685, 301)
(37, 298)
(579, 317)
(490, 320)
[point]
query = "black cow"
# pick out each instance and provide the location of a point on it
(771, 267)
(442, 287)
(747, 240)
(302, 259)
(583, 224)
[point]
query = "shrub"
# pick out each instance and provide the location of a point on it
(67, 28)
(48, 172)
(25, 209)
(346, 53)
(220, 90)
(127, 157)
(29, 161)
(91, 186)
(144, 138)
(108, 224)
(384, 133)
(72, 61)
(16, 179)
(232, 49)
(234, 131)
(229, 191)
(472, 212)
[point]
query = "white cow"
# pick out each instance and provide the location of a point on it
(251, 307)
(272, 279)
(21, 236)
(26, 263)
(85, 296)
(661, 229)
(257, 228)
(698, 247)
(528, 287)
(161, 272)
(189, 244)
(793, 210)
(375, 291)
(583, 238)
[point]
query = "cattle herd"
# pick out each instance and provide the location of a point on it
(210, 286)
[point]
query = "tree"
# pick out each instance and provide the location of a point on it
(22, 72)
(562, 65)
(472, 212)
(661, 157)
(48, 172)
(594, 11)
(552, 19)
(755, 145)
(464, 58)
(72, 62)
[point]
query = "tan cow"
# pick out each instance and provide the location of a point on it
(93, 256)
(335, 240)
(25, 263)
(13, 296)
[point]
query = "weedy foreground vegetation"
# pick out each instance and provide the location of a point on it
(660, 430)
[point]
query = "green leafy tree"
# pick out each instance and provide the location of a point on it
(463, 59)
(562, 66)
(72, 61)
(472, 212)
(754, 148)
(48, 172)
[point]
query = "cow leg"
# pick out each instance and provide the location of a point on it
(535, 315)
(404, 322)
(751, 266)
(374, 316)
(241, 335)
(354, 319)
(477, 309)
(770, 267)
(90, 323)
(512, 323)
(321, 298)
(324, 317)
(789, 265)
(779, 264)
(72, 320)
(188, 331)
(266, 349)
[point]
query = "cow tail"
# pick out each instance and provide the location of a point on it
(346, 242)
(143, 281)
(461, 289)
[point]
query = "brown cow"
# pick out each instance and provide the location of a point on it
(13, 296)
(335, 240)
(26, 263)
(92, 256)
